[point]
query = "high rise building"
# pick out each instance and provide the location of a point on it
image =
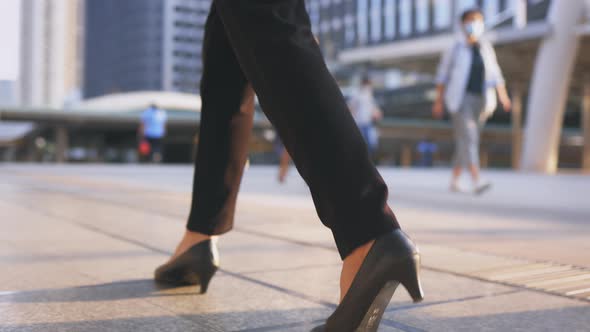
(139, 45)
(51, 36)
(347, 24)
(7, 93)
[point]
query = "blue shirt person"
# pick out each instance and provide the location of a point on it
(152, 130)
(426, 149)
(153, 122)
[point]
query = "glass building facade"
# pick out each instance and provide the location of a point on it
(136, 45)
(345, 24)
(139, 45)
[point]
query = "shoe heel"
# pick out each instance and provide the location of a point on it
(205, 279)
(410, 279)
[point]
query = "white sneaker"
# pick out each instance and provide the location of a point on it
(456, 188)
(481, 187)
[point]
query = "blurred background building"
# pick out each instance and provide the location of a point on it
(143, 45)
(542, 47)
(51, 52)
(7, 93)
(124, 55)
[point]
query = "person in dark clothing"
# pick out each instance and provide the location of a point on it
(267, 47)
(426, 149)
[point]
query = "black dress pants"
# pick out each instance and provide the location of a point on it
(268, 46)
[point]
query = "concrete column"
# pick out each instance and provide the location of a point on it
(516, 125)
(61, 144)
(586, 127)
(30, 150)
(520, 13)
(168, 44)
(549, 88)
(484, 157)
(406, 156)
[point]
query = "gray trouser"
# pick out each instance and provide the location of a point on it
(467, 123)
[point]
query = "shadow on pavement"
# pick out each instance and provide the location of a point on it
(120, 290)
(299, 320)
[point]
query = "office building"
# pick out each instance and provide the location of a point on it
(51, 52)
(143, 45)
(348, 24)
(7, 93)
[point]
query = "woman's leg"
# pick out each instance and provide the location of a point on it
(459, 161)
(226, 122)
(284, 160)
(366, 133)
(472, 111)
(279, 56)
(477, 111)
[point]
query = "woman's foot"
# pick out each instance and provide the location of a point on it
(392, 259)
(188, 240)
(481, 187)
(194, 262)
(456, 187)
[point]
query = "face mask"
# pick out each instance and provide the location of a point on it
(475, 29)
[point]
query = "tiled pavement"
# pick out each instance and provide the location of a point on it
(78, 245)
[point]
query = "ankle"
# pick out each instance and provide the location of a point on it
(351, 265)
(360, 253)
(195, 237)
(188, 240)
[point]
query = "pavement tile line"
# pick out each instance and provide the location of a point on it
(497, 275)
(511, 275)
(141, 244)
(455, 300)
(386, 322)
(560, 279)
(540, 272)
(409, 197)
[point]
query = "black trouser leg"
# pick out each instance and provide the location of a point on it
(278, 54)
(226, 122)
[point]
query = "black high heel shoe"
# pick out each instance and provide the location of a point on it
(393, 260)
(194, 267)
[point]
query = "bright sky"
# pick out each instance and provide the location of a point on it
(9, 38)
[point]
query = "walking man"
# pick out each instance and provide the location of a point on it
(366, 113)
(152, 130)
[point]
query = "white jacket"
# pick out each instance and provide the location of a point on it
(454, 70)
(363, 106)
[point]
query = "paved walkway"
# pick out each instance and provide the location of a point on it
(79, 244)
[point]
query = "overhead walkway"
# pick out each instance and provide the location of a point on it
(398, 135)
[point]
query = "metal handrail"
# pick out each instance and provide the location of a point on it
(500, 18)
